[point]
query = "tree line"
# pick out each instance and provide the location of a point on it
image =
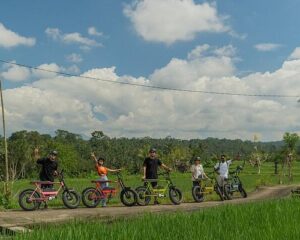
(129, 153)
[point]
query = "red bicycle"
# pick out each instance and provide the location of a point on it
(92, 196)
(31, 199)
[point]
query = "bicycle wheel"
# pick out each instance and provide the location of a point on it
(175, 195)
(198, 194)
(142, 198)
(128, 197)
(243, 192)
(219, 192)
(227, 192)
(91, 197)
(27, 200)
(71, 199)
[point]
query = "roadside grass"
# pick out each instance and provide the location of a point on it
(268, 220)
(251, 180)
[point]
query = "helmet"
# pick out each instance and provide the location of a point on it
(152, 150)
(197, 159)
(54, 153)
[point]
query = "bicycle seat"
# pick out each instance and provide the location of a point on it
(101, 181)
(108, 188)
(150, 180)
(41, 182)
(48, 190)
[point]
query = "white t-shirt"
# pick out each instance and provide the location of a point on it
(223, 168)
(197, 171)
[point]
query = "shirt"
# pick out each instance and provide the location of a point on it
(151, 167)
(48, 169)
(197, 171)
(101, 170)
(223, 168)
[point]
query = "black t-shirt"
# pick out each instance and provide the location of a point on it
(48, 168)
(151, 167)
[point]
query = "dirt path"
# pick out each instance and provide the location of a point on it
(16, 220)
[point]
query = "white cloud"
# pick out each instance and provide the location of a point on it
(267, 47)
(9, 39)
(74, 57)
(71, 38)
(295, 54)
(82, 105)
(94, 32)
(169, 21)
(15, 73)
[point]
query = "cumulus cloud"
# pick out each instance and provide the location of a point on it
(9, 39)
(295, 54)
(83, 104)
(71, 38)
(94, 32)
(169, 21)
(267, 47)
(15, 73)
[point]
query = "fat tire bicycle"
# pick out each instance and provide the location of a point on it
(169, 189)
(206, 186)
(92, 196)
(234, 184)
(31, 199)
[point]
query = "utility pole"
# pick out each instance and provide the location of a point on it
(5, 143)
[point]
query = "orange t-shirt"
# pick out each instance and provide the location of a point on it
(101, 170)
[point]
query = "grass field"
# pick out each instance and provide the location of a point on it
(249, 176)
(277, 219)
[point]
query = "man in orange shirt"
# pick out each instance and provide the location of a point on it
(102, 172)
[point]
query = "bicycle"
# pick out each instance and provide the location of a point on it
(92, 196)
(234, 184)
(31, 199)
(206, 186)
(147, 191)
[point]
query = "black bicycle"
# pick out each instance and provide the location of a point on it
(234, 184)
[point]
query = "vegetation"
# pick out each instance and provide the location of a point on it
(74, 156)
(74, 151)
(277, 219)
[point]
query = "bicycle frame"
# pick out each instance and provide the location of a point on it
(158, 192)
(44, 195)
(110, 192)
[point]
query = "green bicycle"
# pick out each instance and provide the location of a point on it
(168, 189)
(205, 187)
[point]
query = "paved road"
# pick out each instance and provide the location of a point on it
(17, 220)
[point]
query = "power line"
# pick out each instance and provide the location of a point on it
(153, 86)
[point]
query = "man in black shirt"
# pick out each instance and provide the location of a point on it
(151, 165)
(49, 166)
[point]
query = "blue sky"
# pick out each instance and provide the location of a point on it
(261, 22)
(262, 36)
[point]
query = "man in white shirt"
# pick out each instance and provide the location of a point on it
(222, 168)
(197, 171)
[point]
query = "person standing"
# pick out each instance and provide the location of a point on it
(48, 170)
(222, 168)
(102, 172)
(49, 166)
(150, 168)
(197, 171)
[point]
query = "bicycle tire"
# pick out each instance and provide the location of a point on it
(24, 195)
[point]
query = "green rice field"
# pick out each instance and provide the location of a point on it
(277, 219)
